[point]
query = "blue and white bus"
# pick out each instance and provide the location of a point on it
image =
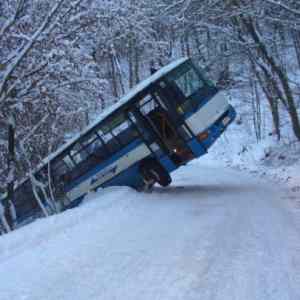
(166, 121)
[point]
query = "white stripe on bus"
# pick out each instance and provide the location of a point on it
(208, 114)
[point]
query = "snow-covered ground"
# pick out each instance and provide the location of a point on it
(215, 233)
(275, 161)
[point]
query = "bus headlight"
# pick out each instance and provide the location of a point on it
(225, 121)
(203, 136)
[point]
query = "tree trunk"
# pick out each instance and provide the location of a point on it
(256, 111)
(282, 77)
(296, 40)
(130, 64)
(187, 44)
(11, 175)
(113, 76)
(272, 95)
(137, 65)
(198, 46)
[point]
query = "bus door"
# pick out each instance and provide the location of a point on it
(165, 132)
(169, 94)
(144, 130)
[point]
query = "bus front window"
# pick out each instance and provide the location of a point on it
(190, 87)
(189, 83)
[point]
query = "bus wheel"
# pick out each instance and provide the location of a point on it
(152, 170)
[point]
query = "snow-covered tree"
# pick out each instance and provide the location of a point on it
(48, 82)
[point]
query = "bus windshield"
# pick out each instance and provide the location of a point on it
(187, 80)
(187, 85)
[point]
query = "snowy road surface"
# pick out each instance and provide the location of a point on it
(214, 234)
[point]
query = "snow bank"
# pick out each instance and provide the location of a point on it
(278, 161)
(43, 230)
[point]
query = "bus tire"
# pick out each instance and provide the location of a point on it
(151, 169)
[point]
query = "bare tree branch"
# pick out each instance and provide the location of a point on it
(21, 55)
(11, 21)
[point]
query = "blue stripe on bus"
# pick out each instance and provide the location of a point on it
(197, 148)
(168, 164)
(131, 176)
(128, 177)
(105, 163)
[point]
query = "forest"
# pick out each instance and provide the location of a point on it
(64, 61)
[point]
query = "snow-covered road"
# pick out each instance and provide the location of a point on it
(214, 234)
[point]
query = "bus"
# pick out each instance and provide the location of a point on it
(167, 120)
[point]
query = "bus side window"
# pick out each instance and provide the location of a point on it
(111, 144)
(88, 156)
(88, 144)
(83, 148)
(125, 132)
(147, 105)
(112, 130)
(94, 150)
